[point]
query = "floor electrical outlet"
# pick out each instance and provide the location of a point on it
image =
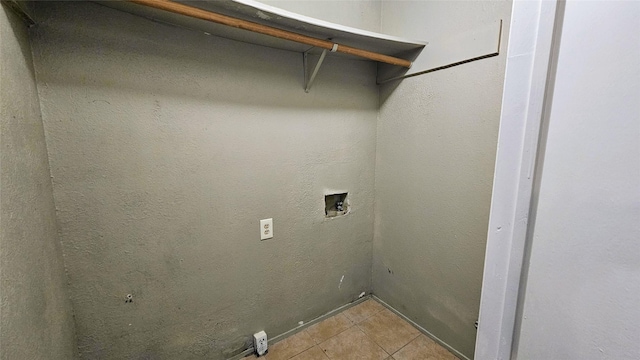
(266, 229)
(260, 343)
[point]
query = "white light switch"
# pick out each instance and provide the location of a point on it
(266, 229)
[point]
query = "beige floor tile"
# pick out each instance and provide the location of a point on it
(291, 346)
(423, 348)
(362, 311)
(389, 330)
(315, 353)
(352, 344)
(329, 327)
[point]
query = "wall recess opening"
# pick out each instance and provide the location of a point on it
(336, 205)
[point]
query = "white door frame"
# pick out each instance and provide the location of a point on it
(523, 103)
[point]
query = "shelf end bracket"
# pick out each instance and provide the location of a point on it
(308, 79)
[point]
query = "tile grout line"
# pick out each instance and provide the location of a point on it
(421, 329)
(342, 311)
(323, 352)
(372, 339)
(306, 325)
(322, 342)
(405, 345)
(370, 316)
(367, 335)
(300, 332)
(356, 325)
(325, 355)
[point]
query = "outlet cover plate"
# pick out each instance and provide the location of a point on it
(266, 229)
(260, 343)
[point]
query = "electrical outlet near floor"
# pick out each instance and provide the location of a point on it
(260, 343)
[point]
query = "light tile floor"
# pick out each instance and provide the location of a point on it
(367, 331)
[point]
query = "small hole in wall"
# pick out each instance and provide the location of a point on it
(335, 205)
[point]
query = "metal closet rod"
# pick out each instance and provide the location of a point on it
(197, 13)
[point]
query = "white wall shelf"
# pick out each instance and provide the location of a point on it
(268, 15)
(259, 13)
(463, 48)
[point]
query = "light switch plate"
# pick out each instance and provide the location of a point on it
(266, 229)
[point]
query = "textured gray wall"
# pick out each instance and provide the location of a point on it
(35, 313)
(583, 289)
(436, 149)
(166, 148)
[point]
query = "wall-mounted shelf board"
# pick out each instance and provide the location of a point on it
(477, 44)
(268, 15)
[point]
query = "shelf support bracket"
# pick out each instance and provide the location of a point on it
(308, 79)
